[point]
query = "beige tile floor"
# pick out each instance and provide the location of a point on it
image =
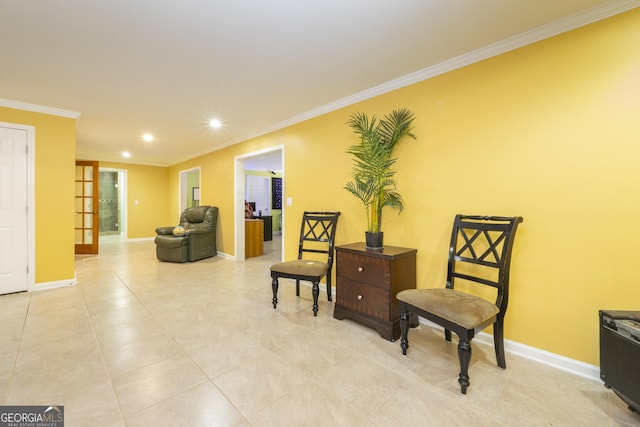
(145, 343)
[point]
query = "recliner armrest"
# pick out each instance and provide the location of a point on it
(163, 231)
(199, 230)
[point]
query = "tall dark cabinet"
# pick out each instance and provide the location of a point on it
(268, 226)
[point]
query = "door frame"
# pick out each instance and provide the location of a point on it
(182, 190)
(31, 217)
(239, 195)
(122, 198)
(93, 247)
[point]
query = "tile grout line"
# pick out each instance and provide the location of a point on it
(104, 363)
(15, 359)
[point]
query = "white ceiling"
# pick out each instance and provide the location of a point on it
(164, 67)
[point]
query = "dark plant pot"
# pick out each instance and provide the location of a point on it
(373, 241)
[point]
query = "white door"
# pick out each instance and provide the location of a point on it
(13, 210)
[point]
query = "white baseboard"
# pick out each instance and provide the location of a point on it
(226, 256)
(557, 361)
(53, 285)
(140, 239)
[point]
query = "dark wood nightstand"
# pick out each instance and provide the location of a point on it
(367, 283)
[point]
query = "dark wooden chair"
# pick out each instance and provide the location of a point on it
(479, 254)
(317, 236)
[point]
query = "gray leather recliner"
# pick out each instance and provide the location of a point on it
(198, 241)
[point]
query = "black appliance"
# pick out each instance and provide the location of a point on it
(268, 225)
(620, 354)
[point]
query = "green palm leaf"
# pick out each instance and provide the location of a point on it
(373, 179)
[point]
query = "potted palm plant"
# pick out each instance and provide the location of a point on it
(373, 180)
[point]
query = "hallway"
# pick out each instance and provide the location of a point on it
(145, 343)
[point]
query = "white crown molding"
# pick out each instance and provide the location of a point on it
(569, 23)
(597, 13)
(39, 109)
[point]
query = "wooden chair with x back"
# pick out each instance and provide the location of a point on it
(479, 254)
(315, 256)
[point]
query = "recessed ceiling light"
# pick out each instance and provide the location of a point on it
(215, 123)
(126, 154)
(147, 137)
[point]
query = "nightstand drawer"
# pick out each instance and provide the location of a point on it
(367, 283)
(359, 268)
(363, 298)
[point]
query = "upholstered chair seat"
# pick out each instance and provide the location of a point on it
(301, 267)
(446, 303)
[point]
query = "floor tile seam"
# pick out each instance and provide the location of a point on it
(496, 405)
(184, 350)
(610, 409)
(221, 373)
(382, 366)
(146, 365)
(271, 402)
(250, 361)
(128, 323)
(151, 313)
(126, 417)
(592, 409)
(364, 416)
(188, 356)
(15, 358)
(104, 363)
(517, 383)
(49, 310)
(102, 350)
(404, 381)
(611, 395)
(280, 359)
(231, 402)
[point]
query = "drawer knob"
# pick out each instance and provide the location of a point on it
(359, 297)
(360, 269)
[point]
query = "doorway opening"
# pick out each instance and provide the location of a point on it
(189, 189)
(267, 161)
(112, 206)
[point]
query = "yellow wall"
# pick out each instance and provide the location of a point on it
(549, 132)
(217, 184)
(146, 185)
(55, 149)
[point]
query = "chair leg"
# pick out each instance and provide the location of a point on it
(274, 287)
(447, 334)
(315, 290)
(404, 331)
(464, 354)
(329, 287)
(297, 287)
(498, 342)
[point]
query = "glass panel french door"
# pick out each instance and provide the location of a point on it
(86, 207)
